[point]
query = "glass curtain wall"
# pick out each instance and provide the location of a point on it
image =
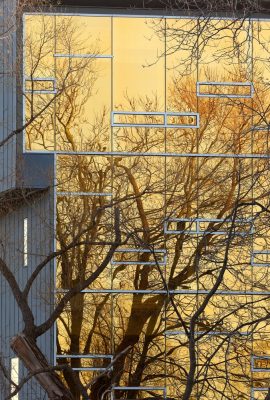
(167, 120)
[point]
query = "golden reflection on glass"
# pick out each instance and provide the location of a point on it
(138, 140)
(177, 352)
(204, 214)
(226, 362)
(139, 183)
(39, 135)
(227, 312)
(138, 269)
(85, 224)
(181, 268)
(219, 189)
(84, 327)
(87, 174)
(261, 346)
(181, 64)
(39, 46)
(238, 274)
(181, 187)
(181, 140)
(177, 364)
(229, 41)
(82, 111)
(139, 79)
(140, 316)
(261, 50)
(225, 125)
(260, 140)
(78, 36)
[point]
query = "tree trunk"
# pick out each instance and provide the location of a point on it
(34, 360)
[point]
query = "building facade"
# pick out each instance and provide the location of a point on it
(162, 117)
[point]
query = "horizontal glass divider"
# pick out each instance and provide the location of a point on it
(221, 83)
(83, 194)
(260, 263)
(157, 154)
(260, 128)
(141, 250)
(253, 264)
(260, 368)
(201, 233)
(134, 14)
(261, 252)
(215, 220)
(153, 252)
(212, 333)
(138, 388)
(40, 91)
(58, 55)
(165, 123)
(90, 369)
(40, 79)
(265, 357)
(161, 113)
(90, 356)
(187, 292)
(162, 126)
(160, 263)
(225, 95)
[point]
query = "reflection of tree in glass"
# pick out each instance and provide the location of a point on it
(208, 335)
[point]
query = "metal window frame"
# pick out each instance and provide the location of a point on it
(150, 154)
(260, 128)
(211, 333)
(68, 55)
(141, 250)
(197, 222)
(258, 264)
(101, 194)
(87, 356)
(165, 116)
(96, 12)
(39, 79)
(190, 292)
(228, 96)
(253, 390)
(141, 388)
(84, 356)
(253, 369)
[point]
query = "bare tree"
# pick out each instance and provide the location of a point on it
(183, 323)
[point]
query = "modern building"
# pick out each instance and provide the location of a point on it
(162, 115)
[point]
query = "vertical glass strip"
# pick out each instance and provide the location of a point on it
(25, 242)
(14, 374)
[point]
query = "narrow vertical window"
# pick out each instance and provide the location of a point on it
(14, 375)
(25, 242)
